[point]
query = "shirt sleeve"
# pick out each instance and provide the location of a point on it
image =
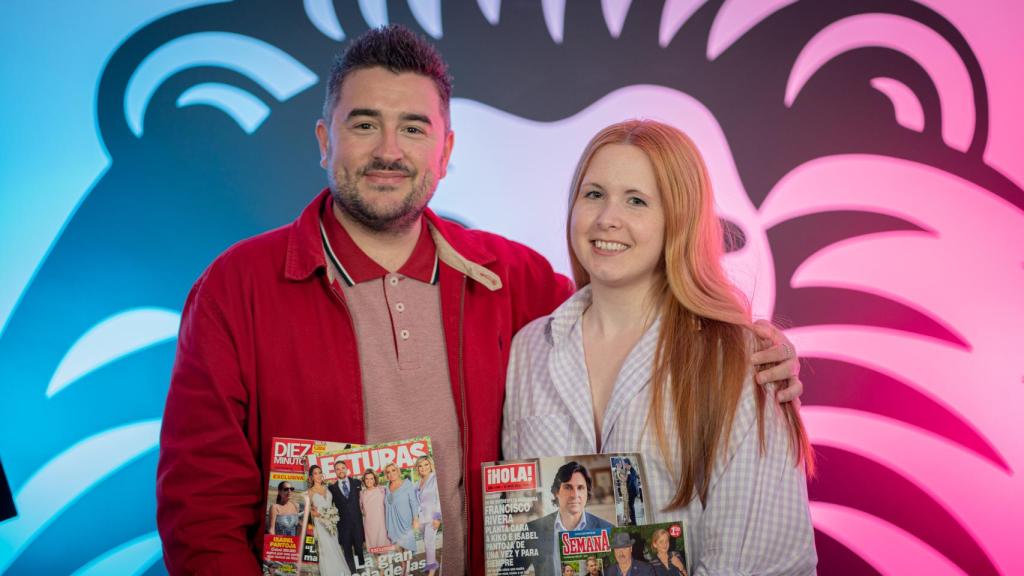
(756, 520)
(208, 481)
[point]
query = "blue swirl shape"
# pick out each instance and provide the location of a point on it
(112, 338)
(321, 13)
(69, 476)
(276, 71)
(133, 557)
(247, 110)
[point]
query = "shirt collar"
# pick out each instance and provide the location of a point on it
(565, 319)
(356, 267)
(560, 528)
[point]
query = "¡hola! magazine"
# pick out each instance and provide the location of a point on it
(529, 503)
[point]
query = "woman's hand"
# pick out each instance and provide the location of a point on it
(415, 524)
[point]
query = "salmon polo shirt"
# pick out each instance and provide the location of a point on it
(407, 391)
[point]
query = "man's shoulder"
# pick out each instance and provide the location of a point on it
(543, 524)
(261, 248)
(506, 252)
(596, 522)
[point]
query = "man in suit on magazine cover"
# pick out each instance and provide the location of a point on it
(350, 517)
(571, 490)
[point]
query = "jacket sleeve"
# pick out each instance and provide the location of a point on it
(208, 481)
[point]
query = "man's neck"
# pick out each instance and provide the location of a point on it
(570, 522)
(390, 250)
(625, 568)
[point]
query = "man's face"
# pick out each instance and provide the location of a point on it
(386, 147)
(623, 556)
(572, 495)
(341, 470)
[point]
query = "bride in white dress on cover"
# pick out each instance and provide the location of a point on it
(332, 562)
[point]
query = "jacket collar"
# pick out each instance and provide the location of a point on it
(455, 246)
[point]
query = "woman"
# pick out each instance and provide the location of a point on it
(371, 502)
(400, 507)
(664, 561)
(428, 516)
(652, 356)
(325, 525)
(284, 514)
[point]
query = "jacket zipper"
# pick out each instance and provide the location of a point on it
(465, 431)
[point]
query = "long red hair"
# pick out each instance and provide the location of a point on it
(702, 357)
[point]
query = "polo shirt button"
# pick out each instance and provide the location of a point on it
(394, 280)
(400, 307)
(404, 334)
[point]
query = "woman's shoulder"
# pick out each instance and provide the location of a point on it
(538, 331)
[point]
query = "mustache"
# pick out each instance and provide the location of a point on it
(380, 165)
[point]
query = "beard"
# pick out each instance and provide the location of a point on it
(355, 202)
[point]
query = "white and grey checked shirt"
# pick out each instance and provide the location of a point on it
(756, 520)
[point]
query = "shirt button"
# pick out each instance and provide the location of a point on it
(394, 280)
(400, 307)
(404, 334)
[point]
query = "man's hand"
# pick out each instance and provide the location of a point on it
(778, 362)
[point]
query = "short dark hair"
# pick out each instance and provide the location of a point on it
(564, 475)
(398, 49)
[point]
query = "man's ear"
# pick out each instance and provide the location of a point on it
(323, 138)
(449, 143)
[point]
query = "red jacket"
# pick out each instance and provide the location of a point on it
(267, 348)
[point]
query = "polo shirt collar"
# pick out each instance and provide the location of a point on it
(356, 267)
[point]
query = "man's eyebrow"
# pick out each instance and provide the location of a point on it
(373, 113)
(364, 112)
(409, 117)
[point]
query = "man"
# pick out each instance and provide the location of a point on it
(570, 491)
(345, 493)
(632, 490)
(625, 564)
(593, 568)
(368, 299)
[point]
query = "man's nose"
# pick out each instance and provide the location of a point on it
(388, 148)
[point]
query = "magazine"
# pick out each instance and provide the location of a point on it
(525, 502)
(645, 549)
(371, 510)
(584, 551)
(286, 543)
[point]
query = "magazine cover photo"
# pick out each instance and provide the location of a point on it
(647, 550)
(376, 509)
(529, 503)
(286, 542)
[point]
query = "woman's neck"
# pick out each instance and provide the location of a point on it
(617, 310)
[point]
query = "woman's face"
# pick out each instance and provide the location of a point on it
(392, 473)
(661, 542)
(424, 468)
(318, 476)
(617, 225)
(370, 480)
(284, 492)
